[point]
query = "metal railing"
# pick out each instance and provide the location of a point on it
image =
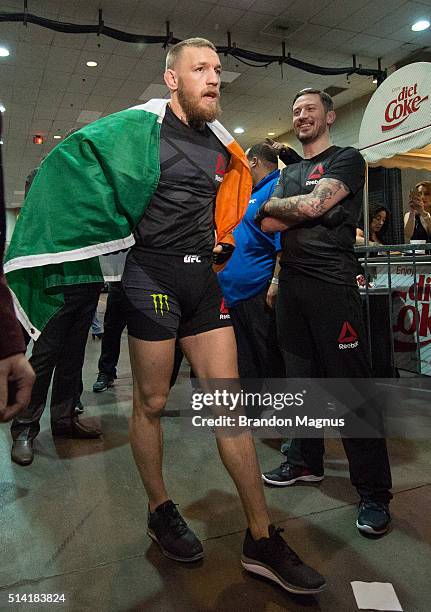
(409, 258)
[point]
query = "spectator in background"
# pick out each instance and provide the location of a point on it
(417, 220)
(378, 221)
(114, 324)
(60, 349)
(246, 283)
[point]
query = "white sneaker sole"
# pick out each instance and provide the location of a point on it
(286, 483)
(371, 530)
(197, 557)
(264, 571)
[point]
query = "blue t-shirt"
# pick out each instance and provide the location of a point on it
(250, 268)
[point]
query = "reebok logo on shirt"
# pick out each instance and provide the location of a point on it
(348, 338)
(315, 175)
(220, 168)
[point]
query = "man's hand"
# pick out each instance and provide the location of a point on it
(271, 295)
(270, 225)
(221, 252)
(276, 146)
(18, 373)
(416, 205)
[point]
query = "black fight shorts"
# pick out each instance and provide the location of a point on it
(171, 296)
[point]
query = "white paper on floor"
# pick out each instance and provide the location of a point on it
(376, 596)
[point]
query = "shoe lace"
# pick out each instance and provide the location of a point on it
(176, 522)
(375, 505)
(283, 550)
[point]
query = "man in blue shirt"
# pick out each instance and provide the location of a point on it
(248, 290)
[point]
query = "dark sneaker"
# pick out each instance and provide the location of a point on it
(287, 474)
(102, 383)
(177, 541)
(274, 559)
(373, 517)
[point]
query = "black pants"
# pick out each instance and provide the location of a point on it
(316, 343)
(113, 326)
(256, 337)
(61, 346)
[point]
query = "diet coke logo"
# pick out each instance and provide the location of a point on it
(400, 108)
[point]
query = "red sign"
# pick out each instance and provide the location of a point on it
(400, 108)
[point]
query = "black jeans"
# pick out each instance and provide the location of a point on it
(311, 318)
(113, 326)
(256, 337)
(61, 346)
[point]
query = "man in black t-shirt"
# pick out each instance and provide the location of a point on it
(319, 315)
(171, 292)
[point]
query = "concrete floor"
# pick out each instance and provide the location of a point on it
(74, 522)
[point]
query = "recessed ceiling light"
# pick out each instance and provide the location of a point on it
(1, 141)
(423, 24)
(375, 80)
(57, 137)
(4, 52)
(239, 130)
(271, 133)
(91, 64)
(2, 108)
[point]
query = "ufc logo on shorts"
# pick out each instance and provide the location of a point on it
(192, 259)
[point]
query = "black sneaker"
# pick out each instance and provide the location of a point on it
(274, 559)
(177, 541)
(287, 474)
(103, 382)
(373, 517)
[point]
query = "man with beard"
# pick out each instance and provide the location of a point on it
(172, 292)
(318, 202)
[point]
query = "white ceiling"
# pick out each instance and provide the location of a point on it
(45, 83)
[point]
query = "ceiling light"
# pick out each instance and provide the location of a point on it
(4, 52)
(1, 141)
(423, 24)
(239, 130)
(57, 137)
(375, 80)
(91, 64)
(2, 108)
(271, 133)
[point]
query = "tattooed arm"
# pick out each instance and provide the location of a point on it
(290, 211)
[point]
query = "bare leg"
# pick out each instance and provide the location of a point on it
(213, 355)
(152, 364)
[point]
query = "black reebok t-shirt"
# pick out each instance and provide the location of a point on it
(180, 217)
(323, 247)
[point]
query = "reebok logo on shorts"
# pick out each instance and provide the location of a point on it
(348, 338)
(192, 259)
(160, 303)
(224, 312)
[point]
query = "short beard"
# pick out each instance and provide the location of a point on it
(312, 138)
(196, 116)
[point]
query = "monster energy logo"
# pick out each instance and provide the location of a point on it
(160, 301)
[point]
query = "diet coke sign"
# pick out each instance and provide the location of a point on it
(398, 116)
(398, 110)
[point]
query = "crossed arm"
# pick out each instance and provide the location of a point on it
(293, 210)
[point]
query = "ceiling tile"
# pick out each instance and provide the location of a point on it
(270, 7)
(119, 66)
(107, 87)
